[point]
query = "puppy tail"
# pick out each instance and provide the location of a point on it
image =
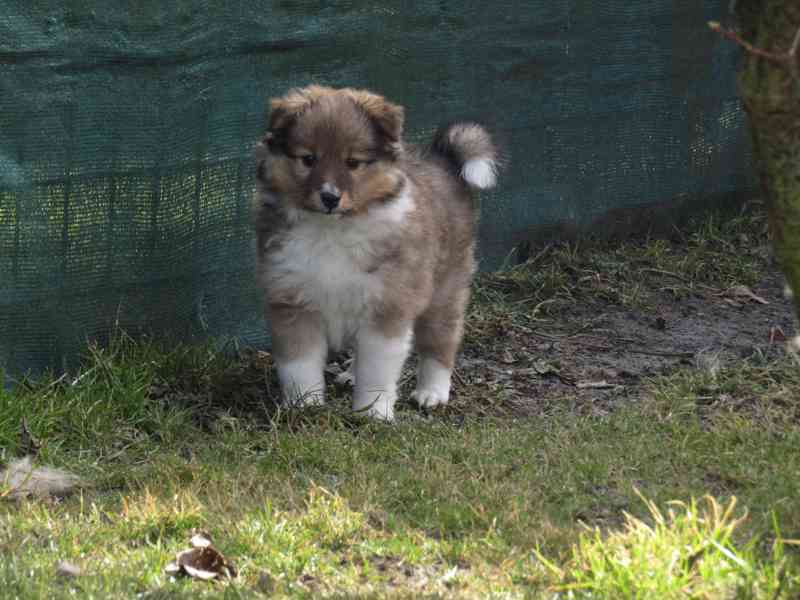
(469, 148)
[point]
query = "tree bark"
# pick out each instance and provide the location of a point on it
(770, 90)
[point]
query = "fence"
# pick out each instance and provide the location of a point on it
(126, 132)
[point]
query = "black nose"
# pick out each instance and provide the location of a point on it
(330, 200)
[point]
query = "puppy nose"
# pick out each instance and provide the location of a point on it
(330, 200)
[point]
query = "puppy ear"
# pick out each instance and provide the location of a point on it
(387, 116)
(283, 110)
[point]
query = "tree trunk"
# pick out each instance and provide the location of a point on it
(771, 95)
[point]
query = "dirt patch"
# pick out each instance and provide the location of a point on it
(595, 355)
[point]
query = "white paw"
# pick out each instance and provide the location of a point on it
(380, 408)
(433, 384)
(379, 361)
(430, 397)
(302, 381)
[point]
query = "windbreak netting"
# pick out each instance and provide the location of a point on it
(126, 134)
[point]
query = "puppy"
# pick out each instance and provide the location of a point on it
(365, 242)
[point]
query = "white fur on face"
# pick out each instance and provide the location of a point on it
(433, 383)
(323, 259)
(480, 173)
(302, 380)
(379, 361)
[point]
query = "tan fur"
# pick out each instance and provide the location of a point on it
(410, 275)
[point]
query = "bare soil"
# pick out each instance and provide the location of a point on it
(592, 356)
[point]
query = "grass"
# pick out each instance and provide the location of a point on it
(321, 503)
(713, 254)
(636, 503)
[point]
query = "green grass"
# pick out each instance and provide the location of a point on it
(712, 255)
(321, 503)
(637, 502)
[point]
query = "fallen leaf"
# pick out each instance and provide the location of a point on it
(23, 479)
(742, 292)
(202, 561)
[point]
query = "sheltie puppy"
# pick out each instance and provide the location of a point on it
(365, 242)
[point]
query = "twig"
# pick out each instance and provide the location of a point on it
(787, 59)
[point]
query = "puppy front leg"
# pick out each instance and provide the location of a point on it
(379, 361)
(300, 350)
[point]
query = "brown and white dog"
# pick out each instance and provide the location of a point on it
(365, 242)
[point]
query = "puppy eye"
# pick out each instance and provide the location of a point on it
(352, 163)
(309, 160)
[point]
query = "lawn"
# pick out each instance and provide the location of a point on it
(625, 425)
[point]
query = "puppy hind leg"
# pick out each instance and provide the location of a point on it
(438, 335)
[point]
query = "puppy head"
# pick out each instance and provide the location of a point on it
(331, 151)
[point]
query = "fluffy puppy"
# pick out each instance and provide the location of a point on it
(365, 242)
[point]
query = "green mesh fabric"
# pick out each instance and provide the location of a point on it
(126, 132)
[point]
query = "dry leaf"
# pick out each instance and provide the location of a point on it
(23, 480)
(744, 293)
(202, 561)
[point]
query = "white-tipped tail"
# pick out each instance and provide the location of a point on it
(480, 173)
(469, 148)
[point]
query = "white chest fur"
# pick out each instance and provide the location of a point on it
(328, 262)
